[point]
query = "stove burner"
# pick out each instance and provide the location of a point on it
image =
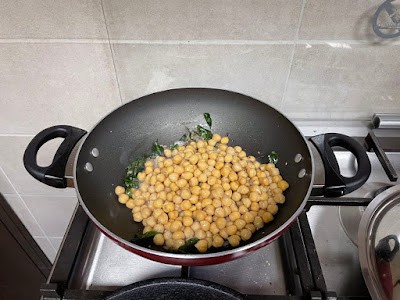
(175, 289)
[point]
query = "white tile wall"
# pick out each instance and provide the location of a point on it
(44, 84)
(353, 81)
(23, 212)
(72, 62)
(5, 185)
(338, 20)
(202, 20)
(53, 213)
(52, 19)
(256, 70)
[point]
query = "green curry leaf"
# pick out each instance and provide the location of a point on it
(273, 157)
(189, 246)
(208, 119)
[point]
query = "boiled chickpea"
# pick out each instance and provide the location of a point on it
(234, 185)
(258, 222)
(173, 177)
(217, 241)
(163, 218)
(119, 190)
(199, 215)
(200, 234)
(251, 227)
(225, 140)
(169, 243)
(219, 212)
(283, 185)
(123, 198)
(189, 233)
(234, 240)
(177, 159)
(187, 221)
(243, 189)
(254, 206)
(209, 209)
(236, 196)
(158, 228)
(146, 212)
(137, 217)
(272, 208)
(131, 204)
(240, 223)
(216, 137)
(231, 229)
(202, 246)
(195, 226)
(205, 225)
(158, 239)
(279, 199)
(178, 235)
(267, 217)
(245, 234)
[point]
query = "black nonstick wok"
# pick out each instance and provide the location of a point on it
(129, 132)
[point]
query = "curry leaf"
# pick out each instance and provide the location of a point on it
(130, 178)
(273, 157)
(204, 133)
(145, 236)
(208, 119)
(174, 146)
(157, 149)
(189, 246)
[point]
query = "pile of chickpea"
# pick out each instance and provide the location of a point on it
(205, 190)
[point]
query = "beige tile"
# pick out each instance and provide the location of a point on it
(52, 213)
(12, 149)
(56, 242)
(48, 84)
(51, 19)
(24, 215)
(338, 20)
(46, 247)
(200, 20)
(5, 186)
(343, 81)
(259, 71)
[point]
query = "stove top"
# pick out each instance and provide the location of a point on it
(315, 258)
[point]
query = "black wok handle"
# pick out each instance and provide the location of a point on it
(52, 175)
(335, 184)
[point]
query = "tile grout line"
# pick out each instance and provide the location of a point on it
(27, 208)
(295, 40)
(332, 43)
(52, 41)
(112, 52)
(16, 134)
(50, 237)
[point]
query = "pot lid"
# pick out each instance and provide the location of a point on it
(378, 245)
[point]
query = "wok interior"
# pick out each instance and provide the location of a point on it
(130, 131)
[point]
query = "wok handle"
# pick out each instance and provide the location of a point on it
(337, 185)
(52, 175)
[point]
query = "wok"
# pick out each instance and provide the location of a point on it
(129, 132)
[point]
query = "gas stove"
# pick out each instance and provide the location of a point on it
(317, 258)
